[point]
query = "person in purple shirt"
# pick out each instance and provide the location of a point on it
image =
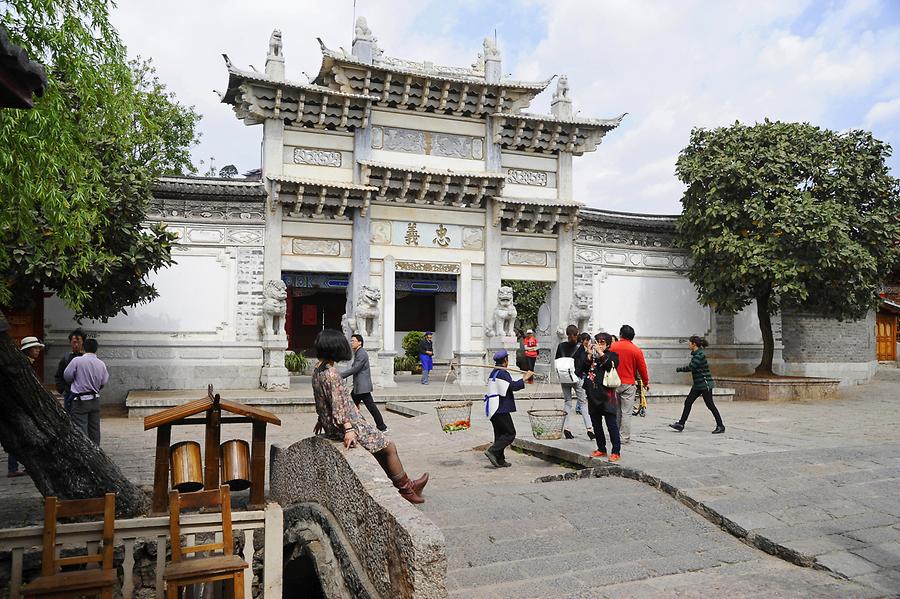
(501, 420)
(87, 374)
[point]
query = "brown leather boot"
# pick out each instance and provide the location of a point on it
(406, 489)
(420, 483)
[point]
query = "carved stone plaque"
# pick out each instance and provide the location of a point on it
(427, 267)
(473, 238)
(526, 258)
(381, 232)
(316, 247)
(404, 140)
(451, 146)
(526, 177)
(316, 157)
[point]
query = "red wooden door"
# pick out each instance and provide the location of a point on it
(886, 337)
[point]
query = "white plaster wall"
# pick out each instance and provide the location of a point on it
(194, 297)
(446, 334)
(746, 325)
(655, 304)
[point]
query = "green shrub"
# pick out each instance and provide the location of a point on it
(405, 363)
(410, 343)
(295, 362)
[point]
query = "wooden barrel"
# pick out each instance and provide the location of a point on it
(187, 469)
(235, 464)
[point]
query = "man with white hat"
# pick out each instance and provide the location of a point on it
(31, 347)
(499, 404)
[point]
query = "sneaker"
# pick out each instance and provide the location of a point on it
(614, 457)
(719, 430)
(591, 435)
(385, 430)
(494, 459)
(677, 426)
(598, 454)
(568, 434)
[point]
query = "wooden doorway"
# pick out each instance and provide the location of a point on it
(886, 337)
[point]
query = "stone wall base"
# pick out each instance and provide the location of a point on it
(848, 373)
(779, 389)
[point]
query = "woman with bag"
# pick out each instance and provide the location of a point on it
(703, 385)
(600, 387)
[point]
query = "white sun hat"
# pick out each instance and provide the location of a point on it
(29, 342)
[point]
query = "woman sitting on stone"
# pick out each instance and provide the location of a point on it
(339, 417)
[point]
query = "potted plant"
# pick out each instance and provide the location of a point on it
(295, 363)
(410, 345)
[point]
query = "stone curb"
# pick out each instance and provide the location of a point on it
(758, 541)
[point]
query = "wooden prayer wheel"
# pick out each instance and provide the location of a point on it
(235, 464)
(187, 469)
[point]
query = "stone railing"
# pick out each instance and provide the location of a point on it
(23, 545)
(365, 540)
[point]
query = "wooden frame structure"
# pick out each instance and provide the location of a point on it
(212, 406)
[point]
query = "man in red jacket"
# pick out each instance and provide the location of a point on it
(631, 360)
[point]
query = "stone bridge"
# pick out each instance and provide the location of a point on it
(342, 514)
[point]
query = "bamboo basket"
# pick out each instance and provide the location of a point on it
(547, 425)
(455, 417)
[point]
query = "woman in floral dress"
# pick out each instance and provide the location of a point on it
(339, 418)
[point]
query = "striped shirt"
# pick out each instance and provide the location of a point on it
(699, 369)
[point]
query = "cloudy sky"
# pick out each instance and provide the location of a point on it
(670, 65)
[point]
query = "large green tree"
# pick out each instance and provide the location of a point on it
(788, 214)
(75, 175)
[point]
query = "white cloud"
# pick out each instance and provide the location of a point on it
(884, 112)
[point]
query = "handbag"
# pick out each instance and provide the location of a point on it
(611, 379)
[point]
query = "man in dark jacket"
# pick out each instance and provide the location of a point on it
(76, 342)
(501, 420)
(426, 356)
(362, 380)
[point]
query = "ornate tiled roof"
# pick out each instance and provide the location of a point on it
(256, 96)
(208, 188)
(629, 219)
(24, 77)
(547, 118)
(550, 134)
(402, 66)
(432, 171)
(320, 183)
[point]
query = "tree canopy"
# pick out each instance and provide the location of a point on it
(76, 170)
(75, 176)
(788, 214)
(528, 297)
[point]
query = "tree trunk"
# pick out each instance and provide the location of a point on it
(60, 459)
(765, 327)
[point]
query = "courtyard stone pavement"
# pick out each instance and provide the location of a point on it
(682, 515)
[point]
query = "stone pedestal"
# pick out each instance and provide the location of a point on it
(274, 376)
(383, 361)
(470, 375)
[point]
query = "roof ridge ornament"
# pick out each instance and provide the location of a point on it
(365, 44)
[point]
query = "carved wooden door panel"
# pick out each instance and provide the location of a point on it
(886, 337)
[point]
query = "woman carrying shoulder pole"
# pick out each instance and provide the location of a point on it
(703, 385)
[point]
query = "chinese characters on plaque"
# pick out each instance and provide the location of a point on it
(442, 235)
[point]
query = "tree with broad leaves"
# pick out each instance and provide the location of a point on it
(229, 171)
(528, 296)
(75, 175)
(788, 214)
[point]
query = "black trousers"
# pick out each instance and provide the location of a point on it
(612, 425)
(707, 399)
(504, 434)
(366, 398)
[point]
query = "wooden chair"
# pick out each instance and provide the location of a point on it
(52, 582)
(183, 571)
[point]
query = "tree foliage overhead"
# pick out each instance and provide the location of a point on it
(788, 214)
(75, 171)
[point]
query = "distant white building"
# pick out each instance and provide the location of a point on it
(395, 196)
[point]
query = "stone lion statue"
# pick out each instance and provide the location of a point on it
(579, 312)
(274, 308)
(504, 317)
(366, 313)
